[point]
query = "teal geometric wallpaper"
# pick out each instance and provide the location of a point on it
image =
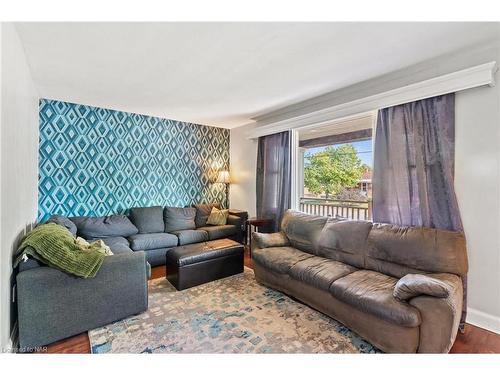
(96, 161)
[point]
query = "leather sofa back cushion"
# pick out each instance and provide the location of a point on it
(345, 241)
(396, 250)
(105, 226)
(302, 230)
(178, 218)
(148, 219)
(203, 212)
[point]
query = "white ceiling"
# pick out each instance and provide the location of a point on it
(223, 74)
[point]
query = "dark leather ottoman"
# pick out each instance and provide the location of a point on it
(199, 263)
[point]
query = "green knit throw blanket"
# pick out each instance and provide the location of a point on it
(55, 246)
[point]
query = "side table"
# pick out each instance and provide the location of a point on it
(255, 223)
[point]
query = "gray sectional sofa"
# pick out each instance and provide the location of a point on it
(155, 230)
(398, 287)
(53, 305)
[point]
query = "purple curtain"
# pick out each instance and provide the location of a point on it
(413, 169)
(273, 177)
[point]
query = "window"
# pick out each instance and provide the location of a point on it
(335, 172)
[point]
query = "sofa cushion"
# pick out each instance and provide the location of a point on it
(179, 218)
(203, 212)
(106, 226)
(218, 217)
(148, 219)
(279, 259)
(372, 292)
(302, 229)
(345, 241)
(147, 241)
(65, 222)
(191, 236)
(397, 250)
(320, 272)
(220, 231)
(120, 249)
(118, 245)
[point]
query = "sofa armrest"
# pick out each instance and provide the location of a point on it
(240, 214)
(53, 305)
(434, 285)
(440, 315)
(235, 220)
(243, 215)
(263, 240)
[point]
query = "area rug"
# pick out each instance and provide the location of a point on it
(231, 315)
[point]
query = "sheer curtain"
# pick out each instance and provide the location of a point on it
(274, 177)
(413, 168)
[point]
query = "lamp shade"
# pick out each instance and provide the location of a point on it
(223, 177)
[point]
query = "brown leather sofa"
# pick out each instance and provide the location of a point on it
(398, 287)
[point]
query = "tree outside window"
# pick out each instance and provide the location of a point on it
(335, 172)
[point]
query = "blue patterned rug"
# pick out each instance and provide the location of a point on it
(231, 315)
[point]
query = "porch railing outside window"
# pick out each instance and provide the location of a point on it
(348, 209)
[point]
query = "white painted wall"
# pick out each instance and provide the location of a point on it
(18, 158)
(477, 183)
(477, 179)
(477, 167)
(243, 161)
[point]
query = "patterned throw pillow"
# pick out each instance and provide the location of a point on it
(218, 217)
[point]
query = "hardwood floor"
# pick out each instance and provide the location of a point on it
(474, 340)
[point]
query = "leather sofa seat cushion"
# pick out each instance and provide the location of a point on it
(203, 212)
(220, 231)
(319, 272)
(105, 226)
(179, 218)
(345, 241)
(302, 229)
(147, 241)
(191, 236)
(372, 292)
(148, 219)
(279, 259)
